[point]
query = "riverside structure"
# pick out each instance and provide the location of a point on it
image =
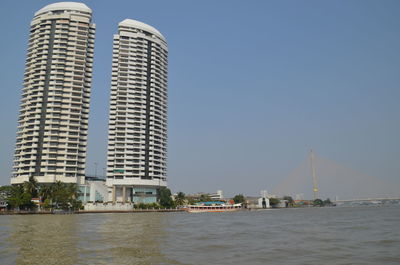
(137, 138)
(54, 110)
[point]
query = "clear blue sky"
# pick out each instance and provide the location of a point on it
(253, 85)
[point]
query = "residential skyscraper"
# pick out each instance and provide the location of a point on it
(137, 139)
(54, 110)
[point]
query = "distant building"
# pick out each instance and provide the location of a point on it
(137, 137)
(3, 205)
(282, 204)
(213, 196)
(263, 202)
(217, 196)
(54, 109)
(3, 200)
(93, 190)
(257, 202)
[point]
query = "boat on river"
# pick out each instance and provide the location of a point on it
(213, 207)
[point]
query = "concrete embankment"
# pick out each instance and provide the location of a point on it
(23, 212)
(136, 211)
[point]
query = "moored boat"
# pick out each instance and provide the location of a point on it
(213, 207)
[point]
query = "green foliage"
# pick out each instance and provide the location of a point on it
(54, 196)
(154, 205)
(239, 198)
(289, 199)
(327, 202)
(5, 192)
(274, 201)
(19, 199)
(63, 195)
(47, 204)
(140, 206)
(143, 206)
(45, 192)
(180, 199)
(191, 200)
(205, 198)
(165, 198)
(321, 203)
(31, 187)
(318, 202)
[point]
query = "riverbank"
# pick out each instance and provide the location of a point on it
(111, 211)
(83, 212)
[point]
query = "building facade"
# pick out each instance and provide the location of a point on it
(54, 110)
(137, 138)
(93, 190)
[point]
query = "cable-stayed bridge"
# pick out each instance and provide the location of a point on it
(319, 177)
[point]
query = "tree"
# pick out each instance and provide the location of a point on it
(5, 192)
(60, 195)
(64, 194)
(239, 198)
(327, 202)
(19, 199)
(72, 190)
(318, 202)
(165, 197)
(180, 198)
(205, 198)
(45, 192)
(191, 200)
(54, 195)
(31, 187)
(274, 201)
(289, 199)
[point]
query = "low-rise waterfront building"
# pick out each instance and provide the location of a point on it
(212, 196)
(93, 190)
(219, 195)
(257, 202)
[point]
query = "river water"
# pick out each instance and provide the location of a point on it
(337, 235)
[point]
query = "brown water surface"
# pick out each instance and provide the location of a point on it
(342, 235)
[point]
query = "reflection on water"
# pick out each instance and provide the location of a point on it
(82, 239)
(39, 239)
(314, 236)
(121, 239)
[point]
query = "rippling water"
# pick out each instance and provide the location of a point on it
(359, 235)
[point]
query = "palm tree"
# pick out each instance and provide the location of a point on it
(73, 191)
(19, 198)
(46, 192)
(58, 193)
(31, 187)
(180, 198)
(16, 200)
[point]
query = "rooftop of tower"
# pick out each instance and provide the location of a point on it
(140, 25)
(65, 6)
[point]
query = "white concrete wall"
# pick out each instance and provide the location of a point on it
(100, 187)
(108, 207)
(259, 205)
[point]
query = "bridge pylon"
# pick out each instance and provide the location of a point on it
(314, 175)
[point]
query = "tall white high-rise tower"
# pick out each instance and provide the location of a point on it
(54, 110)
(137, 139)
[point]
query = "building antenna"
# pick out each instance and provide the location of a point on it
(314, 176)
